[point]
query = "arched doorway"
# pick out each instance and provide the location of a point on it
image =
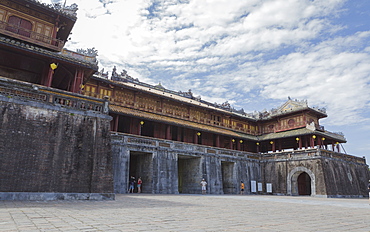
(304, 184)
(301, 181)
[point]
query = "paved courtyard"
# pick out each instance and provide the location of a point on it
(146, 212)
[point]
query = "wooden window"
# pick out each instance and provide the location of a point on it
(19, 26)
(291, 122)
(105, 92)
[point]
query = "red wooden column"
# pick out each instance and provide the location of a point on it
(306, 142)
(237, 145)
(273, 146)
(231, 143)
(168, 132)
(55, 31)
(319, 139)
(300, 143)
(280, 148)
(312, 141)
(196, 138)
(115, 126)
(49, 77)
(77, 82)
(217, 140)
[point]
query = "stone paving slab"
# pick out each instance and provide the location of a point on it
(146, 212)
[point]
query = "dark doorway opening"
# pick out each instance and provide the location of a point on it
(227, 169)
(141, 165)
(189, 174)
(304, 184)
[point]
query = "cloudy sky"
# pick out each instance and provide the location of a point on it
(252, 53)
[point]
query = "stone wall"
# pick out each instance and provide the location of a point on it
(176, 167)
(344, 177)
(53, 141)
(332, 174)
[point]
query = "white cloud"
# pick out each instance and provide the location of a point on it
(226, 50)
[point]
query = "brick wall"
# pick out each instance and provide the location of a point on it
(50, 148)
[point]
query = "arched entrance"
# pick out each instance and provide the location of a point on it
(301, 181)
(304, 184)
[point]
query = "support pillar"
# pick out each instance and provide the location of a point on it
(306, 143)
(168, 132)
(217, 140)
(273, 149)
(319, 140)
(49, 77)
(116, 120)
(280, 148)
(77, 82)
(312, 142)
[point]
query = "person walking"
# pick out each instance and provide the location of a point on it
(241, 188)
(139, 182)
(203, 183)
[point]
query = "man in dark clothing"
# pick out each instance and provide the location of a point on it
(132, 185)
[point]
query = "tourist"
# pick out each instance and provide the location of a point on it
(204, 184)
(241, 188)
(132, 184)
(139, 182)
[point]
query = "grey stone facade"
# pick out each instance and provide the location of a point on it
(53, 143)
(175, 167)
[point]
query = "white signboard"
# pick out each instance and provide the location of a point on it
(259, 187)
(269, 187)
(253, 186)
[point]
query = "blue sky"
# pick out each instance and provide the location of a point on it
(253, 54)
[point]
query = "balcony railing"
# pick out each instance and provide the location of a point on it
(31, 36)
(179, 146)
(30, 92)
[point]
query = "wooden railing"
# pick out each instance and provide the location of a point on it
(31, 36)
(24, 91)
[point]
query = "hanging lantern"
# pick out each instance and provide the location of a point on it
(53, 66)
(271, 142)
(241, 141)
(314, 136)
(198, 133)
(323, 139)
(233, 140)
(142, 122)
(257, 144)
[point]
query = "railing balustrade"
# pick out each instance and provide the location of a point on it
(20, 32)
